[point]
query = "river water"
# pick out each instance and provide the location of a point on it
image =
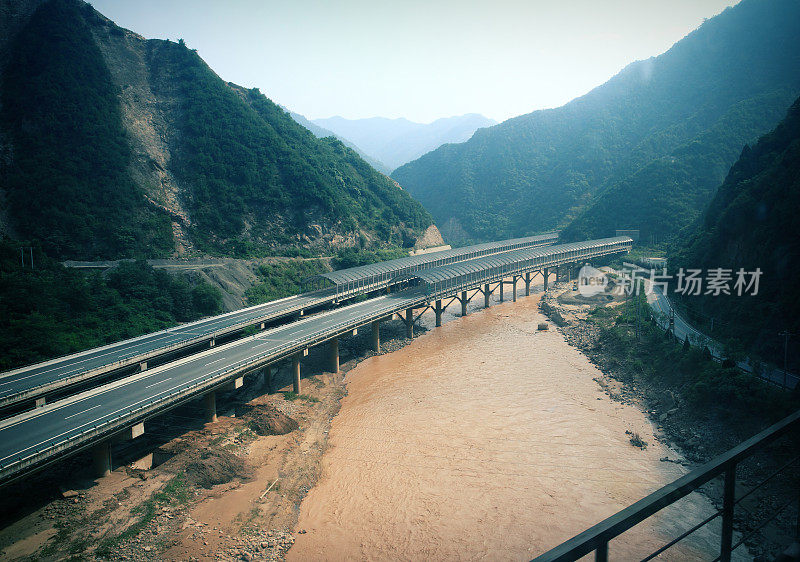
(486, 439)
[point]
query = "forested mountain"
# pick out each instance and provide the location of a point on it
(397, 141)
(116, 146)
(753, 223)
(321, 133)
(644, 150)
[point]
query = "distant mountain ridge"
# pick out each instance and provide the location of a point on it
(321, 133)
(112, 145)
(398, 141)
(645, 150)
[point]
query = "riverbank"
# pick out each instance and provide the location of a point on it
(699, 407)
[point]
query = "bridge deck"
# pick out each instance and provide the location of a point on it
(449, 279)
(377, 275)
(38, 436)
(30, 382)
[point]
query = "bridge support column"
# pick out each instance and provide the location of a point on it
(376, 336)
(101, 459)
(268, 378)
(143, 366)
(212, 343)
(40, 402)
(514, 289)
(210, 406)
(438, 310)
(334, 355)
(557, 273)
(502, 285)
(546, 274)
(486, 296)
(410, 323)
(528, 284)
(296, 373)
(463, 303)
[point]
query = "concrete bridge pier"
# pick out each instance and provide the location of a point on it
(502, 283)
(212, 342)
(438, 310)
(410, 323)
(528, 284)
(376, 336)
(514, 289)
(143, 366)
(101, 459)
(463, 303)
(486, 294)
(268, 378)
(546, 274)
(210, 406)
(296, 373)
(334, 355)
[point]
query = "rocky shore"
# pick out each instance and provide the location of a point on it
(697, 435)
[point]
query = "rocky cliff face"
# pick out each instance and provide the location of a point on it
(149, 114)
(227, 169)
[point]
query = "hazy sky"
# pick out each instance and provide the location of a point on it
(417, 59)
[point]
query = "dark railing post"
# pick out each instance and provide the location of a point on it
(797, 524)
(728, 499)
(601, 554)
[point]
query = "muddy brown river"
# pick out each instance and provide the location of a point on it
(486, 439)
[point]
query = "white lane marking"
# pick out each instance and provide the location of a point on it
(327, 316)
(167, 334)
(19, 379)
(82, 412)
(212, 362)
(159, 382)
(90, 357)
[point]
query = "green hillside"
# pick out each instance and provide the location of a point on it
(250, 162)
(68, 184)
(49, 310)
(753, 222)
(248, 180)
(662, 133)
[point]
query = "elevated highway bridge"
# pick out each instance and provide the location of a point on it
(33, 384)
(93, 418)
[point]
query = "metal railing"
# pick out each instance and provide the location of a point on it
(494, 274)
(133, 357)
(167, 400)
(361, 279)
(596, 538)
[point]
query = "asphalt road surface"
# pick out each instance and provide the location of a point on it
(57, 423)
(661, 306)
(110, 357)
